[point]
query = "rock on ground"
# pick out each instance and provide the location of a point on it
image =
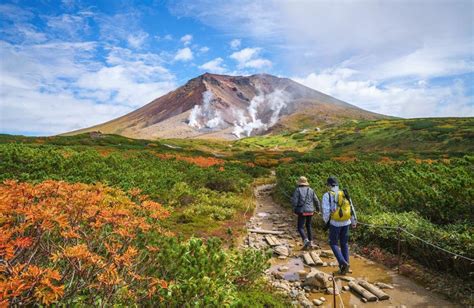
(318, 279)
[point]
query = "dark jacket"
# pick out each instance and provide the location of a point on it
(304, 200)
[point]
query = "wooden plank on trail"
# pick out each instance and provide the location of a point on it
(262, 231)
(270, 240)
(362, 292)
(307, 258)
(373, 289)
(317, 260)
(276, 240)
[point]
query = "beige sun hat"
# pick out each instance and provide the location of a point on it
(303, 181)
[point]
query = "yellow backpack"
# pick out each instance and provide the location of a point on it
(343, 208)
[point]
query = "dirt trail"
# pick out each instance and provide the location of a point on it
(287, 272)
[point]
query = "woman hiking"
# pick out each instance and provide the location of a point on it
(338, 215)
(305, 203)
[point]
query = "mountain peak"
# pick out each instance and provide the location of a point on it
(229, 107)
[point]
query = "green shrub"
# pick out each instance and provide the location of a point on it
(456, 238)
(204, 274)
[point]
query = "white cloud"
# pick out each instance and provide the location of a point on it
(24, 32)
(131, 79)
(184, 54)
(15, 13)
(235, 43)
(121, 28)
(68, 25)
(204, 49)
(430, 61)
(53, 81)
(406, 100)
(57, 87)
(214, 66)
(69, 4)
(136, 40)
(42, 113)
(186, 39)
(249, 58)
(328, 28)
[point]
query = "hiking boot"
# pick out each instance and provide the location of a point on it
(344, 269)
(307, 244)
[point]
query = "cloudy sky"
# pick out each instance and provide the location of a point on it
(70, 64)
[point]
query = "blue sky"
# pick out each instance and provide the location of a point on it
(70, 64)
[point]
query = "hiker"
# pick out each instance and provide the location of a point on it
(338, 215)
(305, 203)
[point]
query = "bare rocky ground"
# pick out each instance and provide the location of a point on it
(309, 285)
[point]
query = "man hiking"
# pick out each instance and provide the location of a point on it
(338, 214)
(305, 202)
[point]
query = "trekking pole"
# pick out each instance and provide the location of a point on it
(334, 289)
(399, 233)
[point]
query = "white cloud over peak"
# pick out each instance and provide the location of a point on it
(214, 66)
(249, 58)
(184, 54)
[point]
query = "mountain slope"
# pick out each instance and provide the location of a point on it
(230, 107)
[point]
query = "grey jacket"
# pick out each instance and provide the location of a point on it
(304, 200)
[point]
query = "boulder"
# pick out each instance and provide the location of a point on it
(318, 279)
(317, 302)
(294, 293)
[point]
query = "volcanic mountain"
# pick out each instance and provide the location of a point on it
(231, 107)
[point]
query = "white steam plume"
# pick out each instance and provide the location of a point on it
(205, 115)
(273, 102)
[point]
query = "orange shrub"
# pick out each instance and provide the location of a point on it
(286, 160)
(266, 162)
(200, 161)
(58, 240)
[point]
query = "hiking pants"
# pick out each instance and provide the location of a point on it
(340, 235)
(302, 221)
